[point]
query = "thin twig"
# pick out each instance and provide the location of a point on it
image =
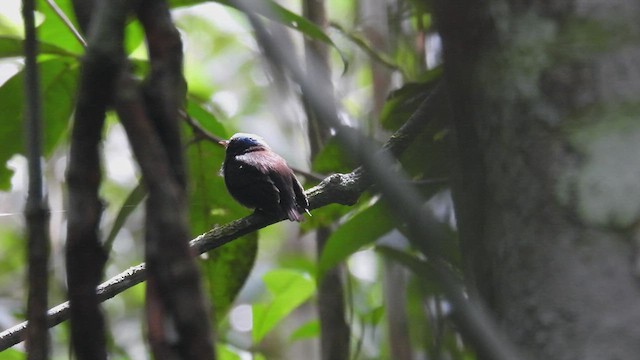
(368, 49)
(203, 134)
(67, 22)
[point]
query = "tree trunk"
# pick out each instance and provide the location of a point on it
(548, 199)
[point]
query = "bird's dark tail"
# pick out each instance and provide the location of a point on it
(294, 215)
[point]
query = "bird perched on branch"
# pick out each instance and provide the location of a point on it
(260, 179)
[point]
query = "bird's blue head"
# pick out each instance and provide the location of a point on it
(241, 143)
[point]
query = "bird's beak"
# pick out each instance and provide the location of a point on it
(224, 143)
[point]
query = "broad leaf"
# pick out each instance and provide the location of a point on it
(308, 330)
(226, 268)
(403, 102)
(54, 31)
(226, 352)
(331, 159)
(12, 354)
(58, 78)
(14, 47)
(362, 229)
(289, 289)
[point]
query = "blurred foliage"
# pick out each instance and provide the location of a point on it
(288, 289)
(230, 90)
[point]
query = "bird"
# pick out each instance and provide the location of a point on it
(260, 179)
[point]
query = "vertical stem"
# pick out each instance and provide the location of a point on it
(174, 293)
(85, 256)
(36, 211)
(334, 330)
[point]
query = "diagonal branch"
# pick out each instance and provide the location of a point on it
(342, 189)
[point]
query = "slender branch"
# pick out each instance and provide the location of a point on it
(378, 56)
(342, 189)
(202, 133)
(37, 209)
(67, 22)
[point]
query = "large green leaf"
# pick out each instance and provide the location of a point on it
(58, 79)
(54, 31)
(362, 229)
(289, 289)
(226, 268)
(403, 102)
(11, 46)
(12, 354)
(331, 159)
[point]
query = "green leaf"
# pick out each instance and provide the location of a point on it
(324, 216)
(289, 289)
(362, 229)
(428, 157)
(206, 118)
(54, 31)
(401, 103)
(226, 352)
(130, 204)
(134, 36)
(10, 26)
(307, 331)
(13, 47)
(373, 316)
(12, 256)
(331, 159)
(226, 268)
(12, 354)
(58, 78)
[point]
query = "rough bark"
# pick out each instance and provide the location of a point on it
(544, 98)
(85, 255)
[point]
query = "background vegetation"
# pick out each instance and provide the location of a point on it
(263, 295)
(529, 125)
